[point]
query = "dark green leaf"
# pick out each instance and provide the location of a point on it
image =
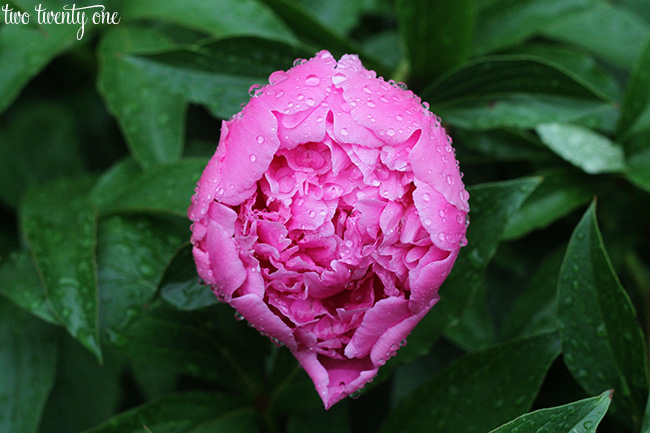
(639, 169)
(340, 16)
(22, 285)
(438, 35)
(60, 226)
(181, 286)
(476, 328)
(645, 426)
(132, 255)
(223, 18)
(560, 192)
(599, 29)
(637, 92)
(503, 23)
(25, 49)
(337, 419)
(493, 385)
(114, 181)
(28, 356)
(189, 412)
(519, 91)
(491, 206)
(580, 417)
(85, 393)
(582, 147)
(602, 343)
(535, 310)
(166, 188)
(29, 155)
(151, 116)
(217, 74)
(501, 145)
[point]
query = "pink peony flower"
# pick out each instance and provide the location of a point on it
(329, 216)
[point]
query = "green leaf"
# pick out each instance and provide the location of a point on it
(151, 116)
(599, 29)
(85, 393)
(181, 286)
(561, 192)
(503, 23)
(53, 149)
(639, 169)
(582, 147)
(580, 417)
(637, 92)
(224, 18)
(25, 49)
(22, 285)
(28, 356)
(188, 412)
(438, 35)
(645, 426)
(602, 344)
(217, 74)
(493, 385)
(113, 182)
(166, 188)
(132, 255)
(60, 226)
(491, 206)
(535, 310)
(520, 91)
(340, 16)
(336, 419)
(475, 329)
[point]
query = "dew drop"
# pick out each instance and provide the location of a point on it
(310, 102)
(339, 78)
(426, 196)
(238, 316)
(344, 131)
(390, 132)
(280, 94)
(260, 139)
(253, 158)
(399, 118)
(371, 104)
(367, 89)
(356, 394)
(450, 180)
(312, 80)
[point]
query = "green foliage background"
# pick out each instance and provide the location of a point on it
(105, 328)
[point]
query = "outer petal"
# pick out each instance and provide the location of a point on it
(257, 313)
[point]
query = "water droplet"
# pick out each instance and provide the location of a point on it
(426, 196)
(390, 132)
(253, 158)
(280, 94)
(344, 131)
(399, 118)
(339, 78)
(310, 102)
(312, 80)
(252, 91)
(260, 139)
(450, 180)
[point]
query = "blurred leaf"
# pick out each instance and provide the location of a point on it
(518, 90)
(639, 169)
(501, 145)
(85, 393)
(336, 419)
(217, 74)
(117, 179)
(611, 32)
(29, 155)
(340, 16)
(25, 49)
(637, 93)
(645, 426)
(223, 18)
(535, 310)
(181, 286)
(561, 192)
(132, 255)
(60, 226)
(475, 329)
(22, 285)
(151, 381)
(28, 356)
(582, 147)
(580, 417)
(503, 23)
(188, 412)
(602, 343)
(151, 116)
(491, 206)
(493, 385)
(166, 188)
(438, 35)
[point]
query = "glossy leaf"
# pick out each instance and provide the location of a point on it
(503, 23)
(582, 147)
(598, 29)
(132, 255)
(560, 192)
(491, 206)
(637, 92)
(152, 117)
(113, 182)
(53, 149)
(494, 385)
(639, 169)
(217, 74)
(518, 91)
(60, 225)
(189, 412)
(602, 343)
(438, 35)
(580, 417)
(181, 286)
(165, 189)
(28, 357)
(26, 49)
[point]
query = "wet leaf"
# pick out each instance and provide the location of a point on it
(602, 343)
(637, 94)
